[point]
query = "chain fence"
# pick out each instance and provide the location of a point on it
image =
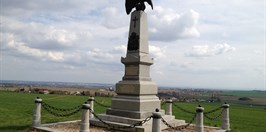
(64, 112)
(103, 105)
(59, 112)
(214, 110)
(184, 110)
(207, 114)
(113, 127)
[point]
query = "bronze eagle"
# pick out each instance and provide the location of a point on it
(139, 4)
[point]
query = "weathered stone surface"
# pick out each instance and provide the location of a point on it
(136, 107)
(139, 25)
(136, 88)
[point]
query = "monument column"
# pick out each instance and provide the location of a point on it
(136, 91)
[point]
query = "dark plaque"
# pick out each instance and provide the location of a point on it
(133, 42)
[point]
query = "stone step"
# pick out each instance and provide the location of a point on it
(118, 121)
(117, 125)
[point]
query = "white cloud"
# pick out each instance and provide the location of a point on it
(112, 18)
(187, 64)
(258, 52)
(168, 25)
(100, 55)
(21, 48)
(60, 35)
(207, 51)
(65, 7)
(119, 49)
(40, 36)
(261, 70)
(156, 52)
(96, 56)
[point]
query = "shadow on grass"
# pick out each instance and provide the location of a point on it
(14, 128)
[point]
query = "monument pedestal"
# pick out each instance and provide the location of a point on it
(136, 94)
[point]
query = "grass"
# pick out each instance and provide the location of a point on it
(16, 111)
(256, 94)
(242, 118)
(248, 119)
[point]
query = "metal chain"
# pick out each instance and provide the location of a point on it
(49, 110)
(60, 109)
(213, 118)
(184, 110)
(179, 128)
(140, 123)
(101, 104)
(214, 110)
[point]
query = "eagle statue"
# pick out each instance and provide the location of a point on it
(139, 4)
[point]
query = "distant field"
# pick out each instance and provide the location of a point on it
(255, 94)
(16, 111)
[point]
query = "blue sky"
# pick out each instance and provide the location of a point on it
(195, 44)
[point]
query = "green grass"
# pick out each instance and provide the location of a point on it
(242, 119)
(248, 119)
(16, 111)
(256, 94)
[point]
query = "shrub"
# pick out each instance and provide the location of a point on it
(244, 99)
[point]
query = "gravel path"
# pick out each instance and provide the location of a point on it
(74, 127)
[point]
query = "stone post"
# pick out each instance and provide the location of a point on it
(91, 102)
(169, 107)
(156, 121)
(37, 113)
(225, 117)
(199, 119)
(85, 119)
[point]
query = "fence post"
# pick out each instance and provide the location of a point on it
(91, 102)
(156, 121)
(225, 117)
(85, 119)
(37, 113)
(199, 119)
(169, 107)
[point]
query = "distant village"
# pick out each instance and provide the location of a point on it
(190, 95)
(59, 89)
(176, 94)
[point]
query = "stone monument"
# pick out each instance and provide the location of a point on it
(136, 93)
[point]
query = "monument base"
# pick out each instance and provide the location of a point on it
(118, 121)
(136, 107)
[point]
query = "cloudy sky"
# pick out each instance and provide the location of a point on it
(195, 43)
